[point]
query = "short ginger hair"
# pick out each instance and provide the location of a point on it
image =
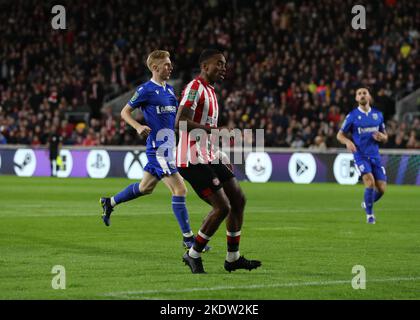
(155, 56)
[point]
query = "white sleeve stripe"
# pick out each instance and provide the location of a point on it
(186, 93)
(197, 97)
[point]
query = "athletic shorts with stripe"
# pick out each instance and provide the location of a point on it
(206, 178)
(159, 166)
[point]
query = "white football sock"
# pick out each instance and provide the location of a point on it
(232, 256)
(194, 254)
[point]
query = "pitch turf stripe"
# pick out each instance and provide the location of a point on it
(133, 294)
(13, 214)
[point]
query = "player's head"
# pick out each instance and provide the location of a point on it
(363, 96)
(159, 63)
(213, 65)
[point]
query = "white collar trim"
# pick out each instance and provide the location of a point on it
(160, 85)
(362, 111)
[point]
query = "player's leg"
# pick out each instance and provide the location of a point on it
(53, 167)
(133, 191)
(220, 209)
(234, 222)
(379, 173)
(365, 169)
(380, 187)
(207, 186)
(369, 182)
(176, 185)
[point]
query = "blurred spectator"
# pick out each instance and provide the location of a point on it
(318, 145)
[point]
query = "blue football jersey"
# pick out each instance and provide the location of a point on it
(159, 106)
(362, 126)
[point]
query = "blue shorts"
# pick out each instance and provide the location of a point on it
(371, 165)
(160, 166)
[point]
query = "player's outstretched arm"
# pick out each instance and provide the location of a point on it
(128, 118)
(344, 140)
(186, 114)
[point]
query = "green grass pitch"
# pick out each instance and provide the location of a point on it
(308, 238)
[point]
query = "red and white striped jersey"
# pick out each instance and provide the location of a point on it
(200, 97)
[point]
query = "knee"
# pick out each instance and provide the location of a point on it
(223, 209)
(369, 182)
(239, 202)
(180, 191)
(146, 190)
(382, 189)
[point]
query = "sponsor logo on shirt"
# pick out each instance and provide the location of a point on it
(368, 129)
(165, 109)
(191, 95)
(136, 95)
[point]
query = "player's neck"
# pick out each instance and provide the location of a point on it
(366, 108)
(204, 76)
(158, 81)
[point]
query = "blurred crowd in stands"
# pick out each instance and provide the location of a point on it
(293, 67)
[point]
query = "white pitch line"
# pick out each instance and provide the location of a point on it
(130, 294)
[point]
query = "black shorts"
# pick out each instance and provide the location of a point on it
(206, 178)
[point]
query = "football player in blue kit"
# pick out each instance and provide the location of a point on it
(367, 128)
(158, 102)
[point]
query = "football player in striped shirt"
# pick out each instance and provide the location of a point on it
(159, 104)
(215, 183)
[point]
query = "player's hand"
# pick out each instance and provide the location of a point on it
(144, 131)
(378, 136)
(351, 147)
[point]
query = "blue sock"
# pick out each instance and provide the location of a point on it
(369, 200)
(377, 195)
(129, 193)
(181, 214)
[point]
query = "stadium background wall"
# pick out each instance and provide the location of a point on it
(274, 164)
